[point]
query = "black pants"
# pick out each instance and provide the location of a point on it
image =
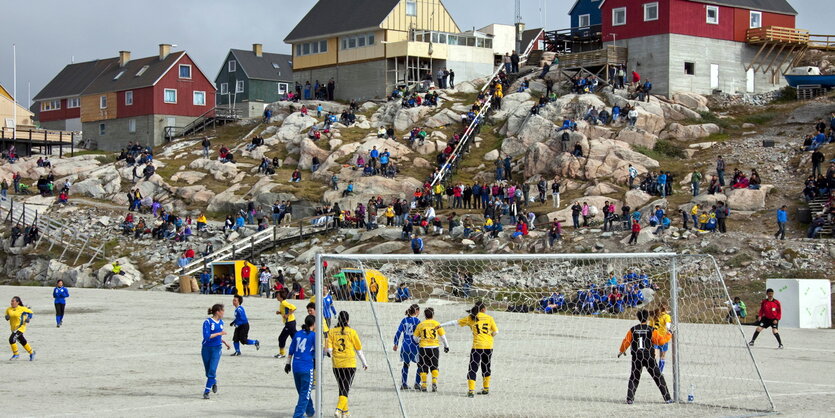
(344, 379)
(241, 334)
(288, 331)
(641, 360)
(633, 239)
(479, 358)
(18, 337)
(428, 359)
(59, 309)
(721, 224)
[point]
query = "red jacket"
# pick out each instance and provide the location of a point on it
(770, 309)
(636, 227)
(245, 272)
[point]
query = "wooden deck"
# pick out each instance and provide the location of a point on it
(44, 140)
(611, 55)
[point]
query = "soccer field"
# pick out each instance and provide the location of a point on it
(126, 353)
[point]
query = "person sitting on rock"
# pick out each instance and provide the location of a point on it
(296, 176)
(349, 189)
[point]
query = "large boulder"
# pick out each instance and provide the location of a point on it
(597, 201)
(465, 87)
(636, 198)
(691, 101)
(131, 274)
(443, 118)
(748, 199)
(538, 129)
(678, 112)
(639, 137)
(220, 171)
(409, 117)
(646, 235)
(307, 150)
(685, 132)
(293, 125)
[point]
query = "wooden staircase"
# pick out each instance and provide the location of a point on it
(816, 206)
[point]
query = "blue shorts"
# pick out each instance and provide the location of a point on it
(408, 356)
(663, 348)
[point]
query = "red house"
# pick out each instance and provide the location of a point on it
(695, 45)
(118, 100)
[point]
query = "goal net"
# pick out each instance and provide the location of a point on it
(561, 319)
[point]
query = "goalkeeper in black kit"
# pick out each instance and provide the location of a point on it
(641, 340)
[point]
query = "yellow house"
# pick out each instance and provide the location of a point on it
(367, 47)
(7, 112)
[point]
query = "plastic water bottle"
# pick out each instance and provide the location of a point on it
(690, 396)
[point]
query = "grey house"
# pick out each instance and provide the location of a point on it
(249, 80)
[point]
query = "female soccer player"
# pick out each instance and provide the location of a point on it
(426, 335)
(484, 329)
(287, 312)
(409, 351)
(301, 360)
(344, 346)
(661, 323)
(212, 339)
(639, 340)
(241, 322)
(60, 294)
(311, 310)
(18, 316)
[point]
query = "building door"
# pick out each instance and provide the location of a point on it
(749, 80)
(714, 76)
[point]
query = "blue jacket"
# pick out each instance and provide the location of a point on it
(240, 317)
(782, 216)
(417, 244)
(60, 294)
(327, 306)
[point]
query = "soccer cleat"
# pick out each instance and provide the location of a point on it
(484, 392)
(279, 356)
(404, 387)
(235, 354)
(629, 401)
(337, 414)
(32, 356)
(417, 386)
(257, 345)
(434, 387)
(669, 401)
(205, 395)
(14, 357)
(58, 326)
(751, 344)
(214, 388)
(780, 347)
(471, 394)
(423, 388)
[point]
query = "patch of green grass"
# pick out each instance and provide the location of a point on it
(710, 117)
(721, 137)
(787, 95)
(663, 150)
(760, 118)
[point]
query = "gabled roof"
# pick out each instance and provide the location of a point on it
(74, 79)
(331, 17)
(107, 82)
(528, 36)
(774, 6)
(5, 93)
(264, 67)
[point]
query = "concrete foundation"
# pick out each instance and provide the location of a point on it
(150, 130)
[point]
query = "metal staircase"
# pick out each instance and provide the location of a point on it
(211, 119)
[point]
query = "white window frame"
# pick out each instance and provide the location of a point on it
(283, 88)
(165, 96)
(411, 7)
(224, 88)
(142, 70)
(580, 18)
(751, 15)
(239, 86)
(714, 9)
(102, 102)
(194, 96)
(102, 129)
(132, 126)
(648, 6)
(614, 15)
(180, 71)
(232, 66)
(50, 105)
(72, 102)
(129, 98)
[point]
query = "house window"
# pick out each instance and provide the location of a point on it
(142, 70)
(239, 86)
(101, 129)
(713, 15)
(119, 75)
(200, 98)
(169, 96)
(51, 105)
(619, 16)
(132, 125)
(314, 48)
(584, 20)
(282, 88)
(224, 88)
(365, 39)
(370, 39)
(233, 66)
(128, 98)
(306, 49)
(323, 46)
(102, 102)
(73, 102)
(185, 71)
(411, 7)
(298, 50)
(689, 68)
(756, 20)
(650, 12)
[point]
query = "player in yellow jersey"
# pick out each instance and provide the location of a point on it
(426, 335)
(287, 311)
(661, 322)
(484, 329)
(343, 344)
(18, 316)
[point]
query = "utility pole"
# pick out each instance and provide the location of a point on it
(520, 27)
(14, 89)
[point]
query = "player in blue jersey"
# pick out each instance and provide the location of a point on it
(212, 340)
(328, 310)
(301, 360)
(241, 323)
(409, 351)
(60, 294)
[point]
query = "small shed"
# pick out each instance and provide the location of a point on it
(806, 303)
(233, 269)
(370, 275)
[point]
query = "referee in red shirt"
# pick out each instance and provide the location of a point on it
(769, 315)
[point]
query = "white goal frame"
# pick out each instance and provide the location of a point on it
(673, 259)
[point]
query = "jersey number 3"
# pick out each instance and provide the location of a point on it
(340, 345)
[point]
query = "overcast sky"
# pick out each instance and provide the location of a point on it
(51, 33)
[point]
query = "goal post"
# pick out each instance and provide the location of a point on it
(561, 319)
